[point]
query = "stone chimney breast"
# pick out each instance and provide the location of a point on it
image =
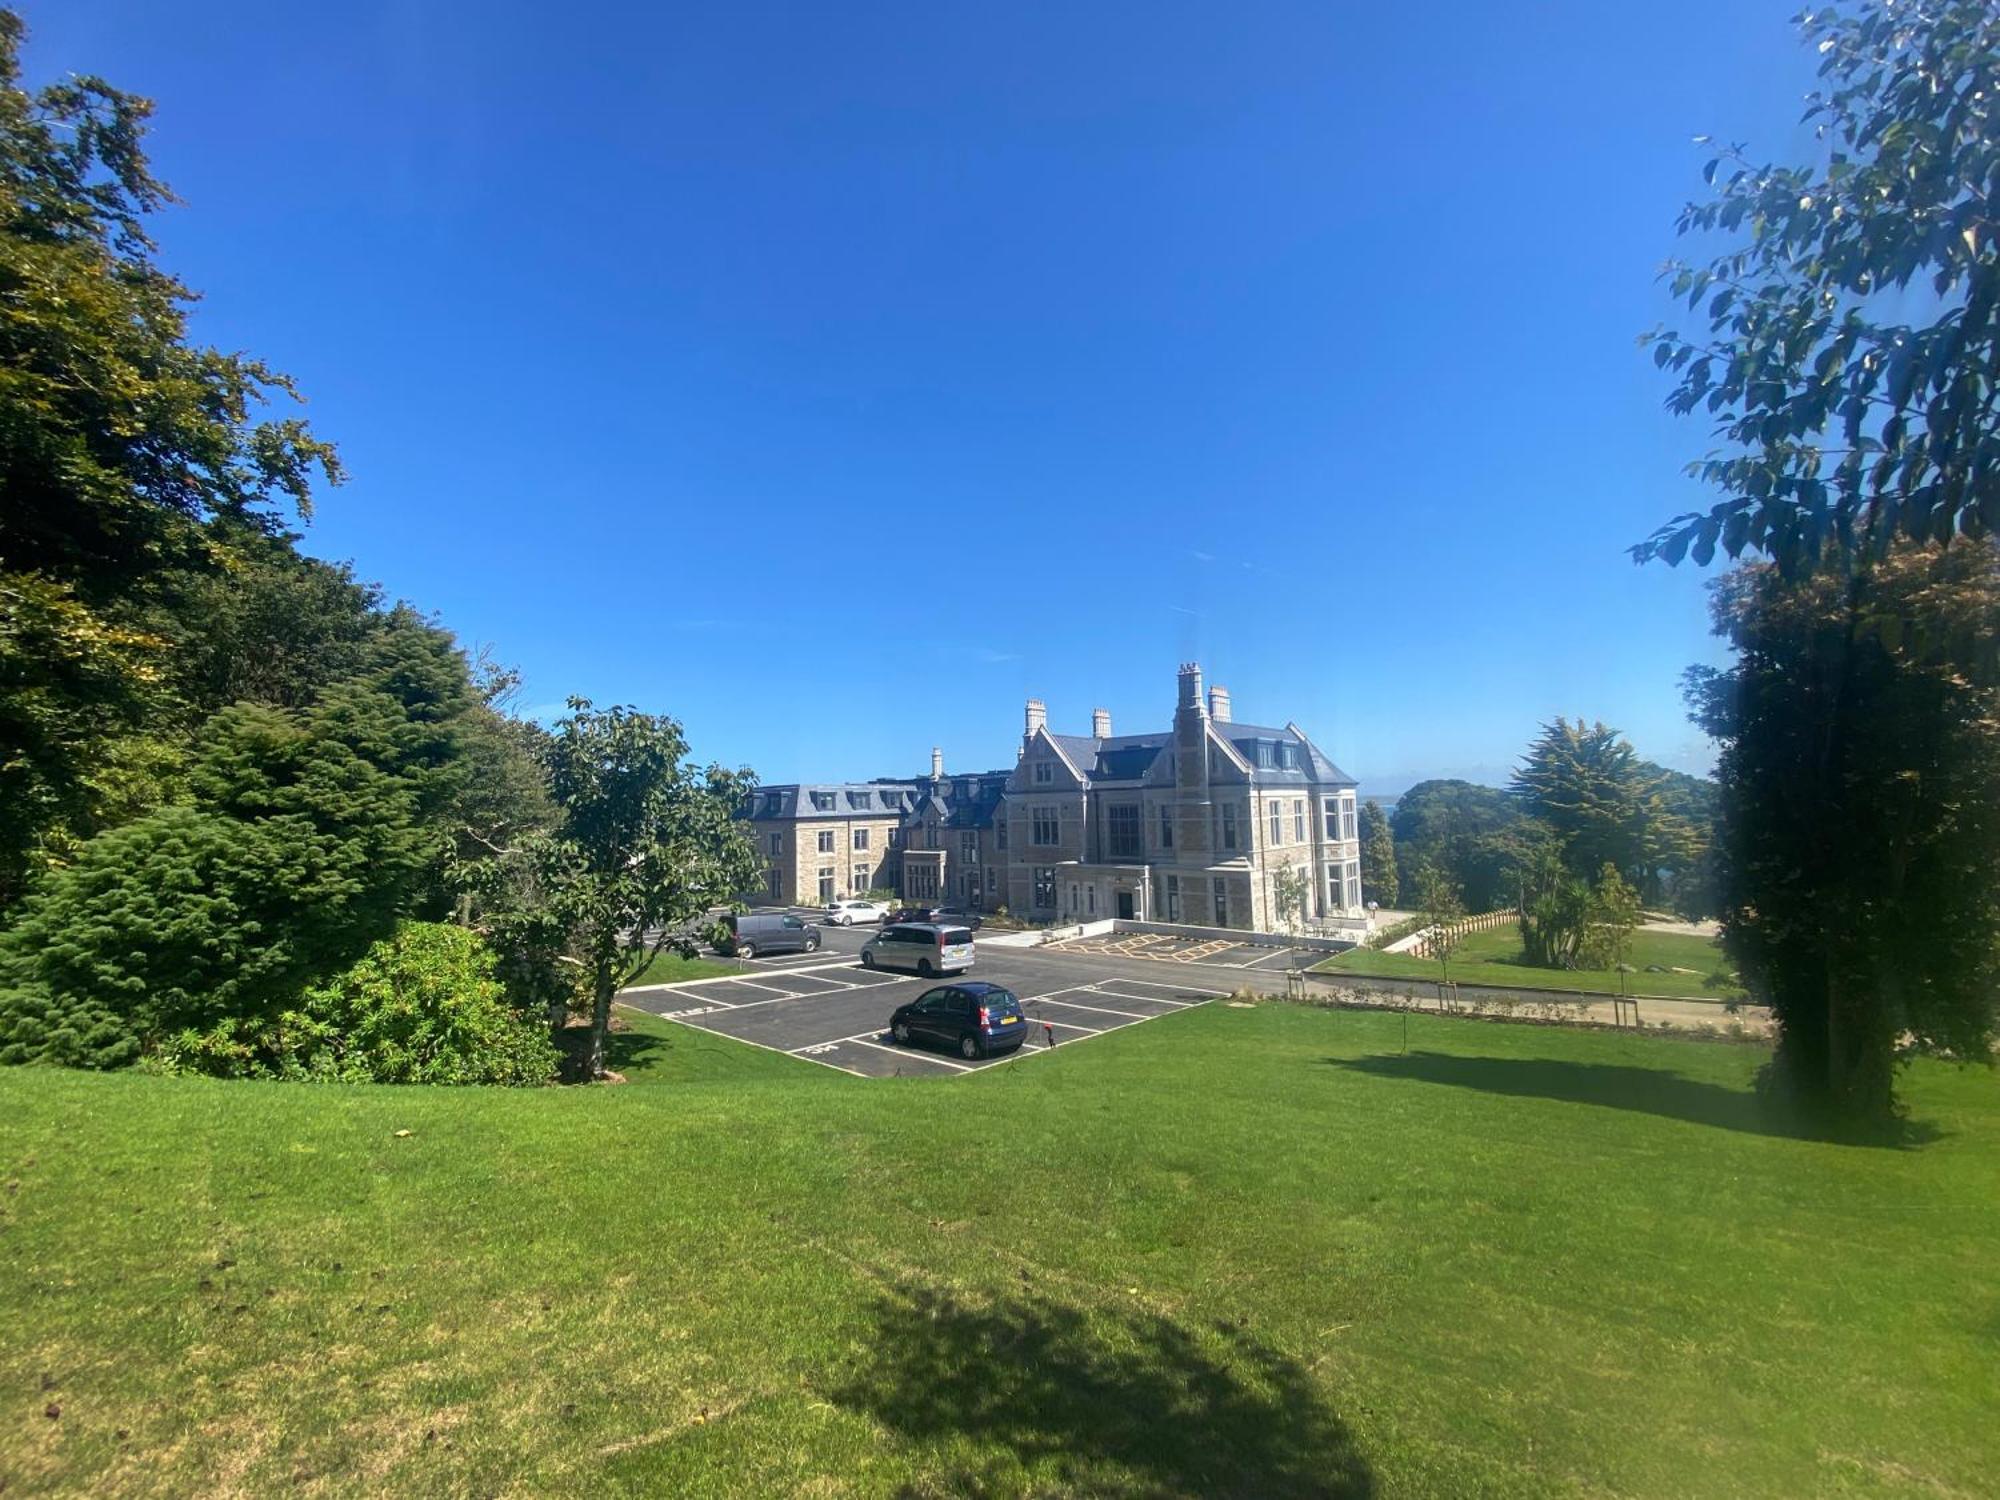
(1218, 704)
(1037, 715)
(1100, 723)
(937, 763)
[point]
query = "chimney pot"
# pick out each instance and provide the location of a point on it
(937, 763)
(1100, 723)
(1218, 704)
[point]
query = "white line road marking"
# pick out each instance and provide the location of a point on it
(764, 1046)
(751, 984)
(905, 1052)
(1264, 958)
(1103, 1009)
(693, 1010)
(1149, 999)
(1087, 1030)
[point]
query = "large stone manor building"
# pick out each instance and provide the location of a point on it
(1195, 824)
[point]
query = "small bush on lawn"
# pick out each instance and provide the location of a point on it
(424, 1006)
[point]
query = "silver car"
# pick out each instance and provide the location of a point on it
(926, 948)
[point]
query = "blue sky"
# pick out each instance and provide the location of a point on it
(836, 377)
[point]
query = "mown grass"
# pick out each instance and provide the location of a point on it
(1494, 957)
(1256, 1251)
(670, 968)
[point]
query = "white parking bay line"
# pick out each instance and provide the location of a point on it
(1103, 1010)
(862, 1041)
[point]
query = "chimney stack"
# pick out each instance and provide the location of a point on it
(1218, 704)
(1037, 716)
(1100, 723)
(937, 763)
(1191, 686)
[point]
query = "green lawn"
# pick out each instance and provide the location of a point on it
(670, 968)
(1252, 1251)
(1494, 957)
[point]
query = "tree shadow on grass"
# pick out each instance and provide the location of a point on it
(1025, 1394)
(1654, 1091)
(625, 1050)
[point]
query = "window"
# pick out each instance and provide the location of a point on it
(1000, 830)
(1044, 832)
(825, 884)
(1090, 899)
(1045, 772)
(773, 882)
(861, 838)
(968, 845)
(1265, 759)
(773, 801)
(1329, 808)
(965, 790)
(1221, 902)
(1166, 827)
(1121, 831)
(1173, 898)
(863, 878)
(777, 844)
(1286, 762)
(1347, 817)
(1229, 825)
(1298, 820)
(861, 799)
(1354, 884)
(1334, 888)
(1071, 908)
(1045, 886)
(1277, 810)
(826, 841)
(822, 801)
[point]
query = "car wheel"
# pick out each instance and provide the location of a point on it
(746, 950)
(901, 1032)
(968, 1047)
(926, 968)
(812, 944)
(867, 959)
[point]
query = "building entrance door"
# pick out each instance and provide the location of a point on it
(1125, 905)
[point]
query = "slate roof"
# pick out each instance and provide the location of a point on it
(1126, 757)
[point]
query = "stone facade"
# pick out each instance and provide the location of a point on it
(1196, 824)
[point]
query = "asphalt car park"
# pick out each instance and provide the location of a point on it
(825, 1007)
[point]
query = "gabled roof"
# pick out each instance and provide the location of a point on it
(1122, 757)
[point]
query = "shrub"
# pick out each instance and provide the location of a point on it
(423, 1006)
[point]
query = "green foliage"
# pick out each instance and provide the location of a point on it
(1615, 913)
(644, 846)
(1291, 889)
(1603, 804)
(307, 840)
(1841, 422)
(123, 449)
(422, 1006)
(1860, 808)
(1554, 906)
(1378, 855)
(1469, 832)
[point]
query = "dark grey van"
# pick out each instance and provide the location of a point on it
(752, 933)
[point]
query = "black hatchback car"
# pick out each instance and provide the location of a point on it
(974, 1019)
(958, 916)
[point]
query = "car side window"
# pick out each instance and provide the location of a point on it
(793, 922)
(935, 1001)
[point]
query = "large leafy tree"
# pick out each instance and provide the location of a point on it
(1469, 832)
(1378, 855)
(1604, 805)
(123, 447)
(1851, 348)
(1860, 810)
(184, 934)
(645, 844)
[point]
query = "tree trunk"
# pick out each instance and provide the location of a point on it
(600, 1023)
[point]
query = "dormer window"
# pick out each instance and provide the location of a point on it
(822, 801)
(861, 799)
(1266, 759)
(1286, 761)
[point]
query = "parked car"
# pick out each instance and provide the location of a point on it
(974, 1019)
(748, 934)
(847, 913)
(925, 948)
(957, 916)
